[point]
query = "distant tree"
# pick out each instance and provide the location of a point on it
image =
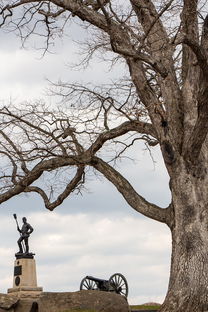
(163, 101)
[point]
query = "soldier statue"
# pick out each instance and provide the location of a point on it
(25, 232)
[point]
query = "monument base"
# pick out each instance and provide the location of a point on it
(25, 291)
(25, 280)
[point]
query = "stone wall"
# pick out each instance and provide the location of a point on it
(97, 301)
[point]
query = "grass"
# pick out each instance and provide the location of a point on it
(144, 307)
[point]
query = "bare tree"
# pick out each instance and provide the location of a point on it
(164, 101)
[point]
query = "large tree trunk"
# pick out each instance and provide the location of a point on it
(188, 286)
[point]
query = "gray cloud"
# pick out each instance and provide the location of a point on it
(24, 71)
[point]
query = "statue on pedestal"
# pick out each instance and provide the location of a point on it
(24, 276)
(22, 242)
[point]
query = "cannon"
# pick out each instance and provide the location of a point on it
(116, 283)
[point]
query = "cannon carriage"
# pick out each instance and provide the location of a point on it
(117, 283)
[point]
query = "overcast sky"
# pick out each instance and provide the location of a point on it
(97, 233)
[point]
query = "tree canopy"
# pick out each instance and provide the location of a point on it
(45, 139)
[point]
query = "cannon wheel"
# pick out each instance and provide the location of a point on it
(87, 284)
(119, 284)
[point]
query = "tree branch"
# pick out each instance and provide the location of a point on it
(200, 129)
(120, 39)
(190, 30)
(154, 32)
(190, 55)
(18, 152)
(200, 54)
(37, 171)
(68, 190)
(135, 200)
(198, 135)
(138, 126)
(41, 137)
(156, 38)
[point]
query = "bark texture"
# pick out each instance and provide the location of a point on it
(188, 279)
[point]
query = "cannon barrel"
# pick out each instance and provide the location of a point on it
(95, 279)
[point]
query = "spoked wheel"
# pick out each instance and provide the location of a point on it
(87, 284)
(119, 284)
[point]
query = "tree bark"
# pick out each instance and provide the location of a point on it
(188, 285)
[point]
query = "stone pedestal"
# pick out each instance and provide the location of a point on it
(25, 279)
